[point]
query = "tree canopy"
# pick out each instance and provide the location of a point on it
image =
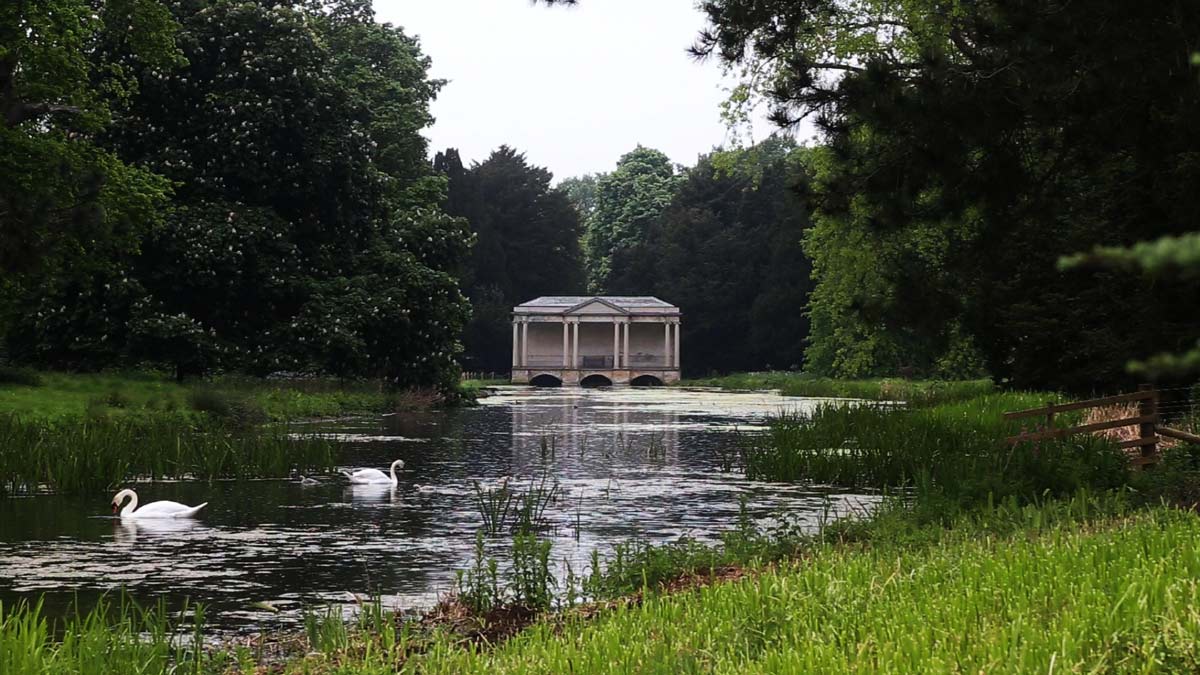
(527, 237)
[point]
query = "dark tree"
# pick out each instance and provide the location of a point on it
(526, 244)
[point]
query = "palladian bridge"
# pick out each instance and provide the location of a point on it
(595, 341)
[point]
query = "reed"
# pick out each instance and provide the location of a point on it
(504, 508)
(957, 449)
(917, 392)
(90, 455)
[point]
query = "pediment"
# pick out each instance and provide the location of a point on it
(595, 306)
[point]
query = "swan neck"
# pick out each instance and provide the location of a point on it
(128, 510)
(394, 479)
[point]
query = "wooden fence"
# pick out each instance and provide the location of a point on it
(1147, 421)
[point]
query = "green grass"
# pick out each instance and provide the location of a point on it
(1116, 597)
(887, 389)
(89, 455)
(63, 396)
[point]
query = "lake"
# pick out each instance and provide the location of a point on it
(628, 463)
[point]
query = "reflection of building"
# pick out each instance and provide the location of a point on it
(595, 341)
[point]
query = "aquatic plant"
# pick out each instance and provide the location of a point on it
(96, 454)
(503, 508)
(957, 448)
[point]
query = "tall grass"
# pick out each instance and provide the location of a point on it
(116, 637)
(917, 392)
(955, 449)
(1118, 597)
(94, 454)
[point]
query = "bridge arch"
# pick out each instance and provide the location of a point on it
(596, 380)
(646, 381)
(545, 380)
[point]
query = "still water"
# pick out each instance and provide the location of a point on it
(642, 463)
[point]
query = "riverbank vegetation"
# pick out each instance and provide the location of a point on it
(919, 392)
(101, 453)
(63, 396)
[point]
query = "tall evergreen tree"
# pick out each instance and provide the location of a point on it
(526, 244)
(729, 253)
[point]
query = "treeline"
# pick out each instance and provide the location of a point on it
(223, 185)
(966, 152)
(722, 239)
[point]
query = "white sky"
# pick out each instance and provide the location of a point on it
(572, 87)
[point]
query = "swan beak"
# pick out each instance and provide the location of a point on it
(114, 507)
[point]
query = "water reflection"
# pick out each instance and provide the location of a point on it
(628, 463)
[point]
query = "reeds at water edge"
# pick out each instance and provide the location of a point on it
(89, 455)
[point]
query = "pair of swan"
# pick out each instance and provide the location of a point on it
(166, 509)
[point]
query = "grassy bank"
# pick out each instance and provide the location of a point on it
(1083, 584)
(1115, 597)
(61, 396)
(886, 389)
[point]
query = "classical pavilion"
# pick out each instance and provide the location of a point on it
(595, 341)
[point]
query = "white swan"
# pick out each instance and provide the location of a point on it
(375, 476)
(305, 480)
(153, 509)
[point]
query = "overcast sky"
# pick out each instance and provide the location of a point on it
(572, 87)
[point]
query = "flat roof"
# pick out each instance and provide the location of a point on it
(623, 304)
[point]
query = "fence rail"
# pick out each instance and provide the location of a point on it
(1147, 420)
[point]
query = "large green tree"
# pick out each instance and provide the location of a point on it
(526, 244)
(66, 202)
(728, 251)
(970, 145)
(306, 233)
(628, 202)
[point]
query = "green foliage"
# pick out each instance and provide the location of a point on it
(1169, 256)
(516, 218)
(957, 137)
(727, 250)
(20, 376)
(70, 397)
(628, 202)
(114, 637)
(304, 233)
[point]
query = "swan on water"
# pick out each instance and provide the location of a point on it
(153, 509)
(305, 480)
(375, 476)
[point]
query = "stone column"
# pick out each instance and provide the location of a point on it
(628, 357)
(676, 344)
(525, 343)
(666, 343)
(516, 343)
(566, 354)
(575, 361)
(616, 344)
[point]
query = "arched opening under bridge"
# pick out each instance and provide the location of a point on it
(545, 380)
(593, 381)
(646, 381)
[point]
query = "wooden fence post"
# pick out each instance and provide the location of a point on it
(1147, 430)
